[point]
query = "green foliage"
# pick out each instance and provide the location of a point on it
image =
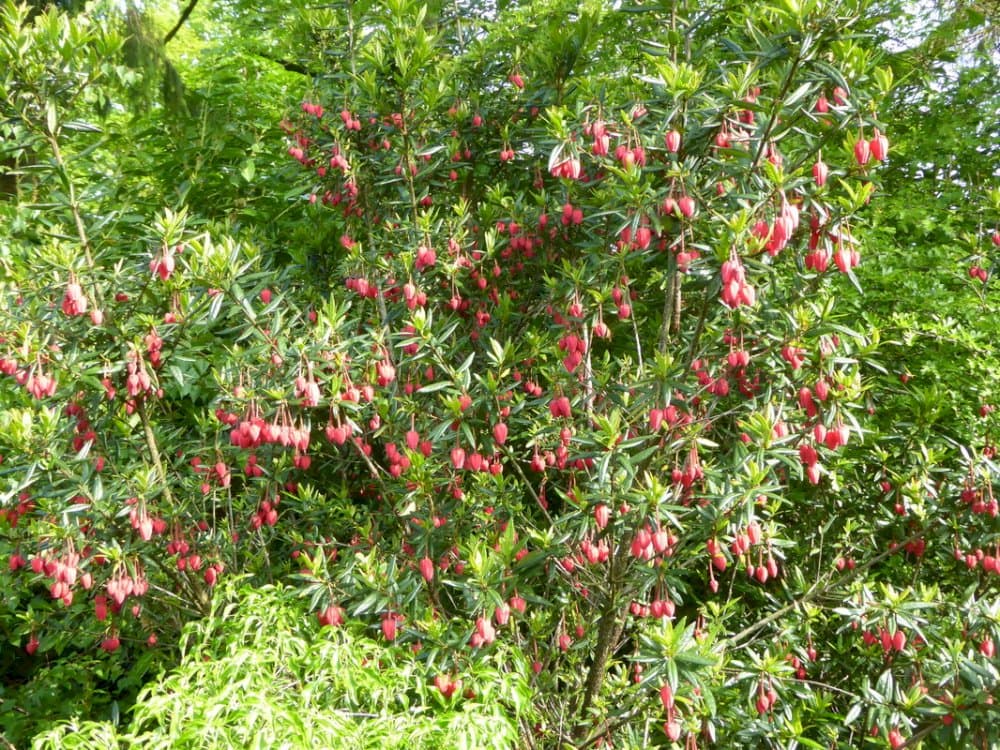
(258, 672)
(532, 349)
(933, 231)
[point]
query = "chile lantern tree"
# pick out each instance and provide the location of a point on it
(567, 393)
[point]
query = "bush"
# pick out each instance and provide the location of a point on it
(570, 391)
(258, 672)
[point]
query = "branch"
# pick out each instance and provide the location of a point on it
(180, 22)
(772, 122)
(815, 591)
(609, 631)
(74, 205)
(154, 451)
(290, 65)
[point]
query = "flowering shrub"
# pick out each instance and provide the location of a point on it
(578, 391)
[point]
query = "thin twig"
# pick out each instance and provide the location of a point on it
(74, 206)
(154, 451)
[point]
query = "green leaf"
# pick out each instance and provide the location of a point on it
(82, 127)
(51, 118)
